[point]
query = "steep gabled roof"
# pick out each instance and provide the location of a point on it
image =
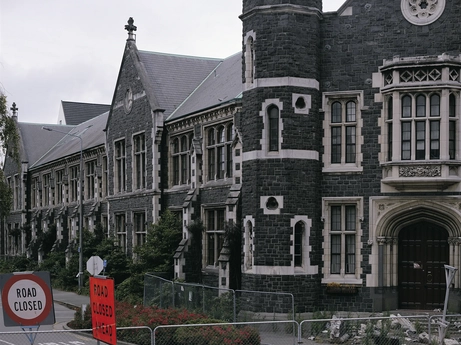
(91, 132)
(75, 113)
(174, 77)
(223, 85)
(36, 142)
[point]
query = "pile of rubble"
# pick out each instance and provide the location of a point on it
(392, 330)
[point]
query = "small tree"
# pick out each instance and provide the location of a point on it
(9, 144)
(163, 237)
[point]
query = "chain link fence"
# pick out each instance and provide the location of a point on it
(218, 303)
(125, 335)
(376, 330)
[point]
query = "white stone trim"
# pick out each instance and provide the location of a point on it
(287, 81)
(282, 154)
(306, 268)
(264, 199)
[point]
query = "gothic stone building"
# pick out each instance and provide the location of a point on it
(331, 141)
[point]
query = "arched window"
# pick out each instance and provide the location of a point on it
(390, 115)
(273, 115)
(219, 151)
(298, 244)
(406, 106)
(248, 245)
(249, 61)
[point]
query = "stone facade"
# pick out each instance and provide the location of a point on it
(331, 143)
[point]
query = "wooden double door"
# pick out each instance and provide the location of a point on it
(423, 252)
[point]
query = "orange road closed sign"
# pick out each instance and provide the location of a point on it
(102, 301)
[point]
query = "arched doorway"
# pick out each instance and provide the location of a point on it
(423, 252)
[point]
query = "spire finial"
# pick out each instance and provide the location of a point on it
(14, 109)
(130, 28)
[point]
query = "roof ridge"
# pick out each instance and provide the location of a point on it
(196, 88)
(181, 55)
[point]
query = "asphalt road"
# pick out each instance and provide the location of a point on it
(53, 334)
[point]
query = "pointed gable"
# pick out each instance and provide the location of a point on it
(221, 86)
(74, 113)
(174, 77)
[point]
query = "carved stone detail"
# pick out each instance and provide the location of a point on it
(421, 171)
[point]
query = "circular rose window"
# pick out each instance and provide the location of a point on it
(422, 12)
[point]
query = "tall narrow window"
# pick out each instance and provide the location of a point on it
(90, 179)
(139, 161)
(343, 228)
(120, 177)
(46, 189)
(211, 154)
(181, 159)
(406, 140)
(249, 61)
(59, 186)
(120, 230)
(105, 177)
(229, 166)
(298, 244)
(139, 228)
(273, 115)
(406, 106)
(219, 152)
(390, 115)
(184, 159)
(420, 140)
(343, 129)
(17, 192)
(214, 235)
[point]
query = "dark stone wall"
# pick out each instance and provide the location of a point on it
(250, 4)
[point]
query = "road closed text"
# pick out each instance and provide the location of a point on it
(30, 304)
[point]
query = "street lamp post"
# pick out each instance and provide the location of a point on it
(80, 222)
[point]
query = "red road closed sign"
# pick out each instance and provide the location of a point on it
(27, 299)
(102, 301)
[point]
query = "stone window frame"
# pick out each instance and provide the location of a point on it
(341, 277)
(249, 56)
(90, 178)
(248, 243)
(120, 231)
(180, 155)
(60, 186)
(266, 135)
(139, 161)
(139, 228)
(448, 124)
(218, 151)
(305, 266)
(119, 166)
(218, 213)
(343, 97)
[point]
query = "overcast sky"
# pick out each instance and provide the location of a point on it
(53, 50)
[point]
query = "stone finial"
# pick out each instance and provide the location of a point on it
(14, 109)
(130, 28)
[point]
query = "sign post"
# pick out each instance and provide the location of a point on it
(102, 301)
(27, 300)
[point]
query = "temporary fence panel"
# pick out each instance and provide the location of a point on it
(392, 330)
(132, 335)
(158, 291)
(263, 306)
(216, 303)
(244, 333)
